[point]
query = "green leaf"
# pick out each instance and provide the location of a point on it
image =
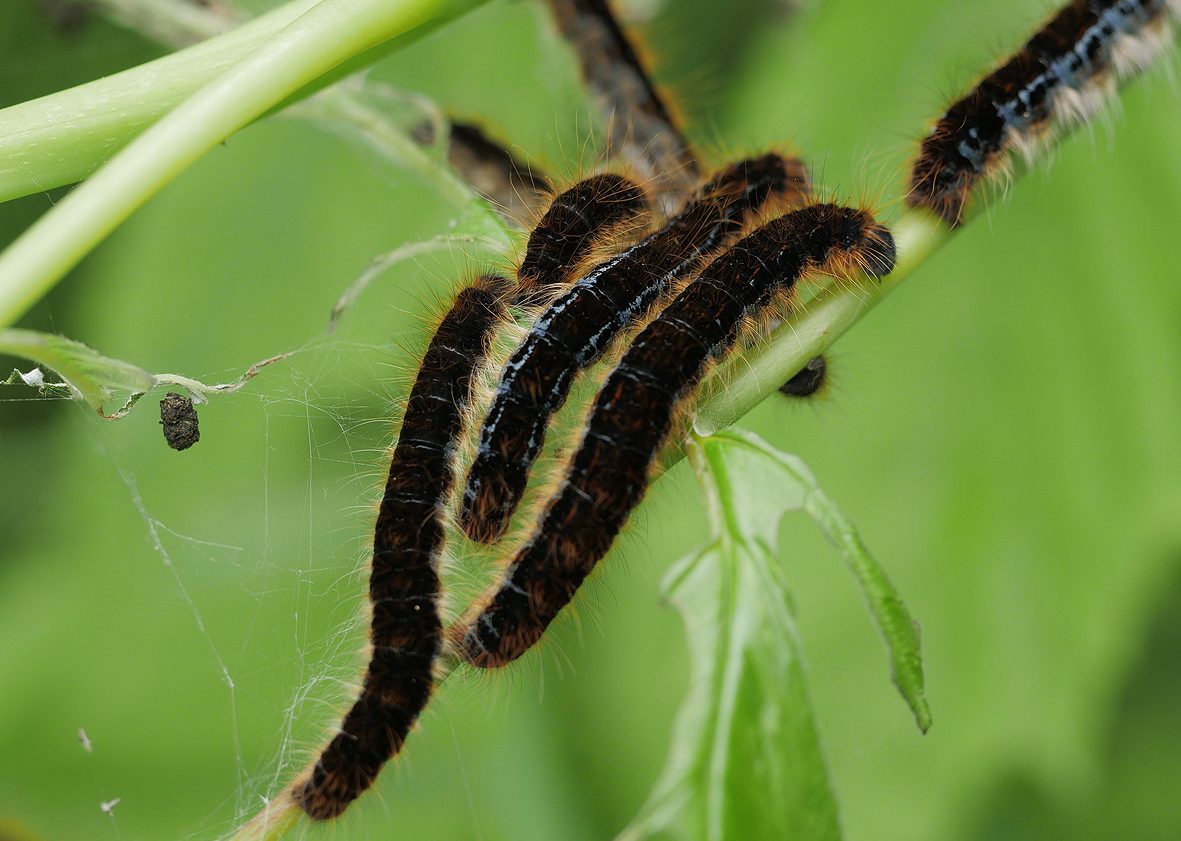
(98, 379)
(746, 761)
(93, 377)
(897, 627)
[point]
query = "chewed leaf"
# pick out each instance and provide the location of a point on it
(99, 380)
(797, 489)
(899, 630)
(35, 378)
(93, 377)
(746, 760)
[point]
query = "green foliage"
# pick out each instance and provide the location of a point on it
(301, 51)
(746, 759)
(84, 126)
(1003, 431)
(96, 379)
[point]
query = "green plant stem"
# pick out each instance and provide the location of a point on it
(745, 380)
(62, 138)
(351, 103)
(313, 44)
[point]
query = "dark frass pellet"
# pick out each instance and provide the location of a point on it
(179, 419)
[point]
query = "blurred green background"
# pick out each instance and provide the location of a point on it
(1004, 430)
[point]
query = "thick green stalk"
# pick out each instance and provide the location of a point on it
(316, 42)
(62, 138)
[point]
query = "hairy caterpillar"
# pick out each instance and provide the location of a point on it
(580, 325)
(575, 222)
(404, 587)
(810, 379)
(634, 412)
(493, 171)
(1060, 77)
(406, 631)
(641, 126)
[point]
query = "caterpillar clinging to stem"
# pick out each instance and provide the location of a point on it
(634, 413)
